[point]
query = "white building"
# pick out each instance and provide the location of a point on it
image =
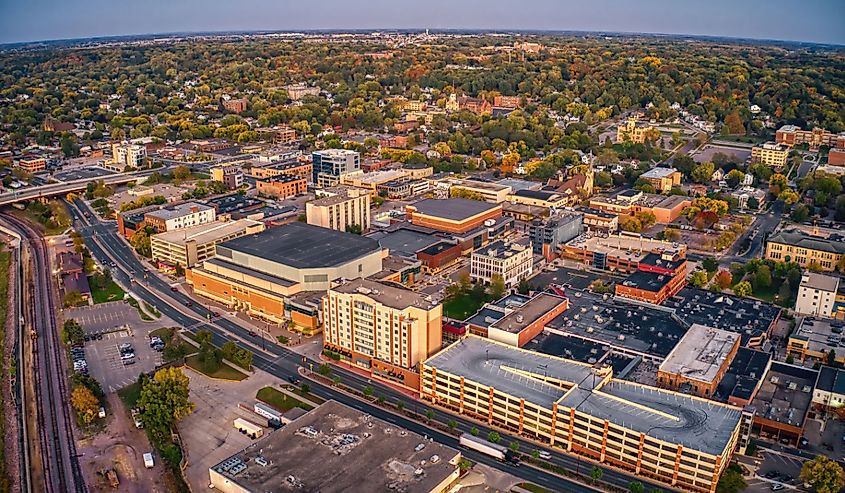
(189, 246)
(817, 294)
(350, 207)
(830, 388)
(125, 154)
(180, 216)
(512, 261)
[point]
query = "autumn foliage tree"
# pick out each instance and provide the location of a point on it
(822, 474)
(85, 403)
(723, 279)
(734, 124)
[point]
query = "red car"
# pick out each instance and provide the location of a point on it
(174, 288)
(253, 333)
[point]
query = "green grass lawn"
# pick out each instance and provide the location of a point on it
(130, 394)
(461, 307)
(35, 219)
(280, 400)
(224, 372)
(111, 292)
(533, 488)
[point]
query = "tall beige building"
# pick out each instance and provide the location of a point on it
(349, 207)
(771, 154)
(383, 328)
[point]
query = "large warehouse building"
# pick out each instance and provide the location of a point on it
(676, 439)
(261, 273)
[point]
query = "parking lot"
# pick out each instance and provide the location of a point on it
(115, 324)
(775, 468)
(105, 317)
(708, 151)
(82, 173)
(208, 433)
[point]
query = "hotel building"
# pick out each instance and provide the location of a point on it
(383, 328)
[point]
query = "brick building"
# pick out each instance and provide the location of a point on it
(281, 186)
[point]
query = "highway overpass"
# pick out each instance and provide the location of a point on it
(63, 188)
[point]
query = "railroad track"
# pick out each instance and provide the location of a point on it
(62, 472)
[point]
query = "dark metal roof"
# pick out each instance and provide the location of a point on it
(303, 246)
(831, 380)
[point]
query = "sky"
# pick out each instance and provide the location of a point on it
(821, 21)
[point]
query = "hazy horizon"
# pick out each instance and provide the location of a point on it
(816, 21)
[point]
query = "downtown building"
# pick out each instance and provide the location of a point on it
(329, 165)
(282, 273)
(682, 441)
(382, 328)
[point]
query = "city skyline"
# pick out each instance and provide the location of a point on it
(44, 20)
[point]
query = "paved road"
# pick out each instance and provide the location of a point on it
(282, 362)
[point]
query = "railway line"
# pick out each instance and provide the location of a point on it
(61, 469)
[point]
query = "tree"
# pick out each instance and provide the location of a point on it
(743, 289)
(164, 401)
(636, 487)
(763, 277)
(181, 173)
(723, 279)
(473, 431)
(535, 453)
(354, 229)
(788, 197)
(703, 172)
(325, 369)
(509, 162)
(734, 177)
(497, 286)
(630, 223)
(596, 474)
(698, 279)
(429, 414)
(72, 332)
(140, 240)
(822, 474)
(523, 287)
(493, 437)
(733, 123)
(514, 446)
(671, 234)
(72, 298)
(731, 480)
(800, 213)
(452, 424)
(710, 264)
(367, 391)
(85, 403)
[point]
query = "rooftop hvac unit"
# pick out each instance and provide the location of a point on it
(792, 386)
(775, 379)
(806, 389)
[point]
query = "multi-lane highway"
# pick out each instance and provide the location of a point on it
(108, 248)
(61, 471)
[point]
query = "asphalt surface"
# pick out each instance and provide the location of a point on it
(106, 246)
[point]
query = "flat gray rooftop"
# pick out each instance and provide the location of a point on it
(335, 448)
(302, 246)
(455, 209)
(517, 320)
(695, 423)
